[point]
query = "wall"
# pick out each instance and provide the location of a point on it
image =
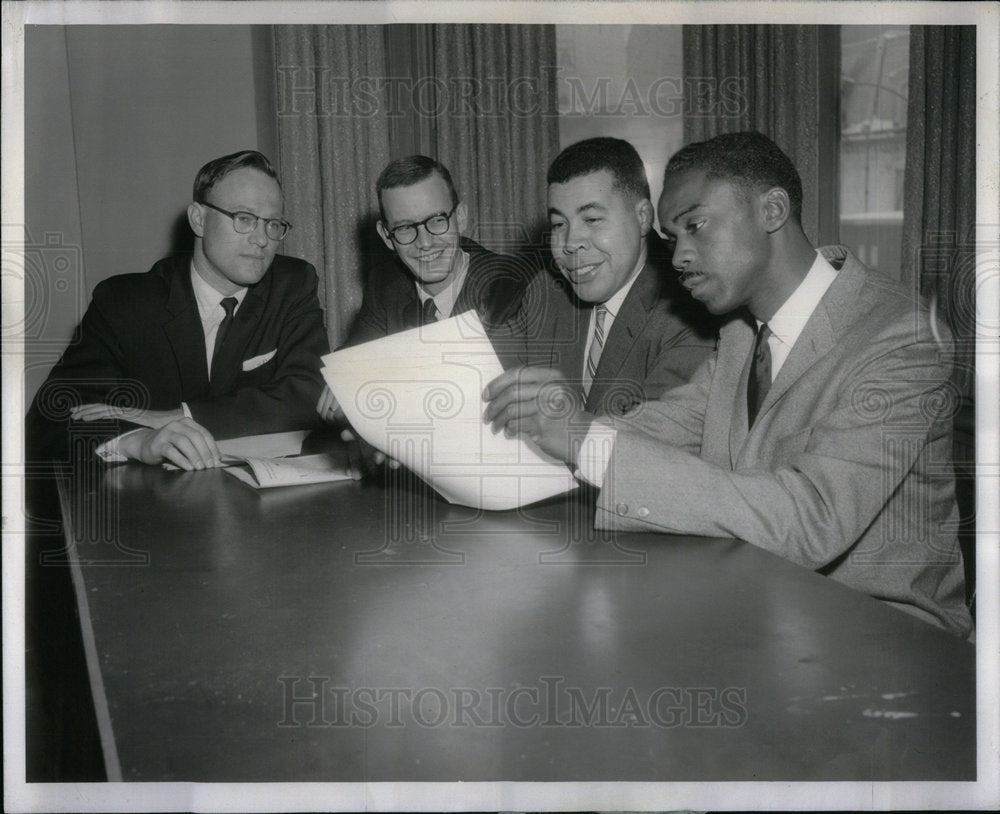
(623, 81)
(118, 119)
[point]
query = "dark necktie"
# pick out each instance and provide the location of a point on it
(429, 314)
(229, 306)
(760, 374)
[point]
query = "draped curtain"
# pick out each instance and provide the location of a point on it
(501, 127)
(479, 98)
(939, 192)
(939, 231)
(333, 140)
(782, 80)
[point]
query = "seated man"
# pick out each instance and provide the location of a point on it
(222, 344)
(436, 272)
(624, 329)
(817, 431)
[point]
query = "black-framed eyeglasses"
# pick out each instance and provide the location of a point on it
(245, 222)
(436, 225)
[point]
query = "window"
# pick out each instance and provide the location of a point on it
(874, 82)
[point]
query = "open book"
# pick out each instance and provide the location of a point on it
(263, 473)
(263, 461)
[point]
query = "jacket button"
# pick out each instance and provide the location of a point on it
(643, 512)
(621, 508)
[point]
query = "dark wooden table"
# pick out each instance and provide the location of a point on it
(371, 632)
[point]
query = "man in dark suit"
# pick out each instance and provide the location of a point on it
(435, 272)
(616, 322)
(819, 431)
(224, 343)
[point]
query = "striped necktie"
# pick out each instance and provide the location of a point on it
(596, 346)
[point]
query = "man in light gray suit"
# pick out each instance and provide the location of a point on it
(820, 430)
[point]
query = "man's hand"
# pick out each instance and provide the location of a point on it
(184, 443)
(145, 418)
(327, 407)
(362, 457)
(537, 403)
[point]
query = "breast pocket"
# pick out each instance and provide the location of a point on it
(258, 368)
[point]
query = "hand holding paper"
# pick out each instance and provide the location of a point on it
(538, 404)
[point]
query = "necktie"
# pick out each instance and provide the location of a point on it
(760, 374)
(229, 306)
(429, 314)
(596, 346)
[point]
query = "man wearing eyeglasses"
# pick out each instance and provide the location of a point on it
(221, 344)
(436, 271)
(440, 273)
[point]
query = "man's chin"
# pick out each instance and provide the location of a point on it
(434, 275)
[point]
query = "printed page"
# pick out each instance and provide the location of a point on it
(264, 473)
(417, 396)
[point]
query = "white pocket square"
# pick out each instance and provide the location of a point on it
(257, 361)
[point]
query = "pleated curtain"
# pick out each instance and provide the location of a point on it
(333, 140)
(774, 79)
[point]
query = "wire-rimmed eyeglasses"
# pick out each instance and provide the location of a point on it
(245, 222)
(438, 224)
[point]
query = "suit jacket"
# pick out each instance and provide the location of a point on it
(658, 339)
(141, 343)
(847, 468)
(493, 286)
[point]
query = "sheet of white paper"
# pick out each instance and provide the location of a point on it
(271, 445)
(417, 396)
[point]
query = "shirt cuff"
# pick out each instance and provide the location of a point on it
(595, 453)
(109, 451)
(187, 412)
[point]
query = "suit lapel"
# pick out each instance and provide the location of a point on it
(185, 335)
(736, 341)
(837, 309)
(819, 336)
(228, 364)
(626, 329)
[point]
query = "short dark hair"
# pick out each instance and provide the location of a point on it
(405, 172)
(595, 154)
(218, 168)
(748, 158)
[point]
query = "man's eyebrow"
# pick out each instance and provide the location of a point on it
(579, 209)
(683, 212)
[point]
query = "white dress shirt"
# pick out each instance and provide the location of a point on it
(445, 299)
(613, 306)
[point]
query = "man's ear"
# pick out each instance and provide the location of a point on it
(644, 214)
(461, 217)
(196, 218)
(775, 209)
(384, 234)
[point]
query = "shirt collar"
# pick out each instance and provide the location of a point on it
(208, 298)
(446, 298)
(789, 320)
(614, 302)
